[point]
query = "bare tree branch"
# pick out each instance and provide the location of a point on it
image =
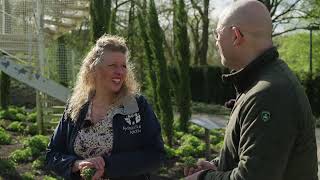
(194, 5)
(289, 30)
(290, 9)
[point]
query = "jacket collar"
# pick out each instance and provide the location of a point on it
(244, 78)
(125, 106)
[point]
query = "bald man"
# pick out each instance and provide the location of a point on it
(271, 131)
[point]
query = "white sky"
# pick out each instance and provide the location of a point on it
(218, 6)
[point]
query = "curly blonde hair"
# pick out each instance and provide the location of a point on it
(84, 88)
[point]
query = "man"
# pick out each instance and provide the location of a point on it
(271, 132)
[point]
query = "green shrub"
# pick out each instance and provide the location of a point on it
(7, 167)
(5, 138)
(170, 152)
(32, 117)
(39, 163)
(20, 117)
(16, 126)
(196, 130)
(191, 140)
(13, 113)
(31, 129)
(5, 114)
(28, 176)
(189, 161)
(49, 178)
(216, 136)
(2, 123)
(190, 146)
(21, 155)
(216, 91)
(178, 134)
(38, 142)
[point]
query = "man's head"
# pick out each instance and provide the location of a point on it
(243, 32)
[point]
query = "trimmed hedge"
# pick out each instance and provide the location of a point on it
(215, 90)
(312, 89)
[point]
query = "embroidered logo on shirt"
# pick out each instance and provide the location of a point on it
(265, 116)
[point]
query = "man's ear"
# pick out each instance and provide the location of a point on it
(238, 37)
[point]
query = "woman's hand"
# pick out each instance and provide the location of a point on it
(96, 162)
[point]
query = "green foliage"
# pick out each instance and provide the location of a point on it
(39, 142)
(49, 178)
(181, 83)
(150, 82)
(2, 123)
(156, 38)
(39, 163)
(217, 91)
(189, 161)
(28, 176)
(33, 146)
(190, 146)
(312, 88)
(4, 114)
(298, 61)
(215, 109)
(31, 129)
(14, 113)
(16, 126)
(21, 155)
(217, 136)
(170, 152)
(7, 167)
(87, 173)
(100, 13)
(5, 138)
(196, 130)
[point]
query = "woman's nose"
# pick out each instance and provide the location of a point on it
(119, 70)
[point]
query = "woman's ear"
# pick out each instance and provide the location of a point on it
(238, 37)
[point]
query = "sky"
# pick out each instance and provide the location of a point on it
(218, 6)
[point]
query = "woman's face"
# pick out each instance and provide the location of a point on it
(112, 71)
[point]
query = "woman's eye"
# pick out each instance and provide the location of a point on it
(124, 66)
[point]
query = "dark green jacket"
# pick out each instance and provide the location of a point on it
(271, 132)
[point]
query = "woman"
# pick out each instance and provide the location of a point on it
(106, 124)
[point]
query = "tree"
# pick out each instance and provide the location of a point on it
(204, 14)
(299, 61)
(100, 12)
(288, 14)
(156, 39)
(182, 60)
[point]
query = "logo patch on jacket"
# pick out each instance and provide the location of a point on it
(265, 116)
(132, 120)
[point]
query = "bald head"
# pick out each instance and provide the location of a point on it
(250, 16)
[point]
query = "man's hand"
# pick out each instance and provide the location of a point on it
(194, 176)
(201, 165)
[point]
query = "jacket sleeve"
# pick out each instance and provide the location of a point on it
(144, 160)
(57, 158)
(267, 134)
